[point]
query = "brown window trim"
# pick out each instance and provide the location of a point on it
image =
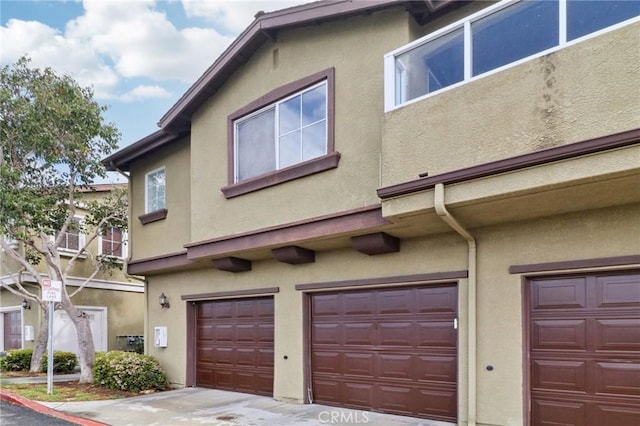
(316, 165)
(306, 168)
(153, 216)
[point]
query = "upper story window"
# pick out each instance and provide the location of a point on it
(287, 132)
(284, 135)
(155, 190)
(73, 238)
(113, 243)
(497, 37)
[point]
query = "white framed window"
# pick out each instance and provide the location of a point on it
(113, 242)
(287, 132)
(495, 38)
(155, 190)
(73, 239)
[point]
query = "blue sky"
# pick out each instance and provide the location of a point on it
(139, 56)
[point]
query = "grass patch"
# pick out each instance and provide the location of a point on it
(65, 392)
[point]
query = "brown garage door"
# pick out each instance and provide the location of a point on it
(234, 340)
(585, 350)
(390, 350)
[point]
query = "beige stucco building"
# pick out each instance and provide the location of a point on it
(113, 300)
(422, 208)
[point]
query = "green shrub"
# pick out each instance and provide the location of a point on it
(20, 360)
(63, 362)
(16, 360)
(128, 371)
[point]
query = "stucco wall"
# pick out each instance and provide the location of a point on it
(168, 235)
(355, 47)
(583, 91)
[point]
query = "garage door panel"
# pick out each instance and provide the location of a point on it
(223, 356)
(396, 399)
(438, 404)
(560, 294)
(326, 305)
(398, 334)
(358, 394)
(355, 334)
(558, 413)
(234, 345)
(223, 310)
(358, 304)
(618, 291)
(326, 362)
(327, 334)
(330, 389)
(559, 334)
(265, 333)
(246, 357)
(555, 374)
(395, 302)
(396, 366)
(359, 364)
(603, 414)
(380, 349)
(618, 334)
(436, 334)
(622, 378)
(437, 368)
(432, 300)
(224, 332)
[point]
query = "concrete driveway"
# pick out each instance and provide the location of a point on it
(193, 406)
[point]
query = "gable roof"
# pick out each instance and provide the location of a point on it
(176, 121)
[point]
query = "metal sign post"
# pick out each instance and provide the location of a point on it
(52, 293)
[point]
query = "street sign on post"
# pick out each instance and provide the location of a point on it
(51, 290)
(52, 293)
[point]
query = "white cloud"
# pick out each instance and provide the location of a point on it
(141, 41)
(114, 40)
(145, 92)
(48, 48)
(233, 15)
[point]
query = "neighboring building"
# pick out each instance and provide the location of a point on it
(422, 208)
(113, 301)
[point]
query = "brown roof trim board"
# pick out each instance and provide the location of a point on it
(349, 221)
(159, 263)
(558, 153)
(402, 279)
(121, 160)
(601, 262)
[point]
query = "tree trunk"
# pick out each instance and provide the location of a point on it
(86, 350)
(40, 347)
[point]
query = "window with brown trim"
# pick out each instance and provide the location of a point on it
(284, 135)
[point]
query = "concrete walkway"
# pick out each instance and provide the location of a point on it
(199, 406)
(215, 407)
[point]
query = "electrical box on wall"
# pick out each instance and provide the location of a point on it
(29, 333)
(160, 337)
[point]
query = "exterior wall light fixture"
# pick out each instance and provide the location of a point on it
(164, 301)
(26, 304)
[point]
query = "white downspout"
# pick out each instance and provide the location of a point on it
(471, 301)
